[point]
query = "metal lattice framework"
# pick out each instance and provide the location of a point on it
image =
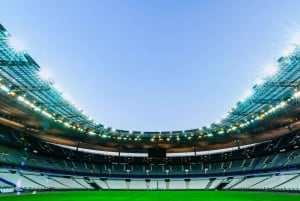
(19, 78)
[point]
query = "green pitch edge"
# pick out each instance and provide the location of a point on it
(154, 196)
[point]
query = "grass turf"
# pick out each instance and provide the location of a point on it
(154, 196)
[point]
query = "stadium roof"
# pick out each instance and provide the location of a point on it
(272, 97)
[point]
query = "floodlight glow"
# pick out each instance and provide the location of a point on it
(288, 50)
(67, 124)
(37, 109)
(46, 75)
(218, 121)
(224, 116)
(282, 104)
(92, 133)
(21, 98)
(247, 94)
(259, 82)
(57, 87)
(270, 70)
(12, 93)
(68, 97)
(221, 132)
(297, 94)
(294, 40)
(47, 114)
(4, 88)
(16, 44)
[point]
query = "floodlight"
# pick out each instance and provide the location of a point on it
(293, 41)
(46, 75)
(247, 94)
(4, 88)
(21, 98)
(16, 44)
(288, 50)
(297, 94)
(260, 81)
(270, 70)
(221, 132)
(91, 133)
(282, 103)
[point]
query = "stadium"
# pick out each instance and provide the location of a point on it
(50, 147)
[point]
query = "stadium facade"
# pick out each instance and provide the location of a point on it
(46, 143)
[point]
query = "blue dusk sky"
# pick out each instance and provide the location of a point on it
(153, 65)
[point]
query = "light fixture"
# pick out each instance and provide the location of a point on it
(270, 70)
(16, 44)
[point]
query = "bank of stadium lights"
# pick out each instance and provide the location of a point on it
(4, 88)
(269, 71)
(46, 75)
(231, 128)
(34, 107)
(67, 124)
(69, 99)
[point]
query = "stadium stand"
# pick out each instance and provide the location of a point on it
(48, 144)
(137, 184)
(290, 185)
(32, 180)
(19, 181)
(247, 183)
(83, 183)
(196, 183)
(273, 181)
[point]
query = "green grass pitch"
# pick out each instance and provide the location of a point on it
(153, 196)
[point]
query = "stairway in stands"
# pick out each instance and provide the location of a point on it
(93, 184)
